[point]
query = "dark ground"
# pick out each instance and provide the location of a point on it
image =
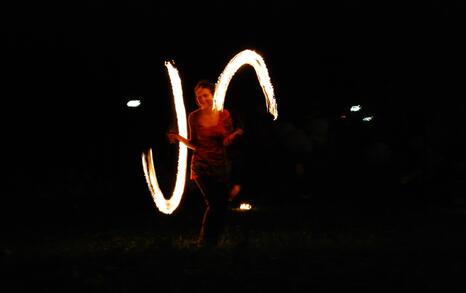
(292, 247)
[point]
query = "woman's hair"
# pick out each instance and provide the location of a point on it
(204, 83)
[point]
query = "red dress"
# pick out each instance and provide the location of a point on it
(210, 157)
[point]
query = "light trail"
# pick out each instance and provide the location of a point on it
(167, 206)
(257, 62)
(250, 57)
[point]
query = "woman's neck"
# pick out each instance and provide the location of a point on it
(208, 110)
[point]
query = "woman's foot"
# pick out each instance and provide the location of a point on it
(235, 190)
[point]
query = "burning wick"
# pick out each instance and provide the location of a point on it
(245, 207)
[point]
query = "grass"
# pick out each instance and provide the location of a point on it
(287, 248)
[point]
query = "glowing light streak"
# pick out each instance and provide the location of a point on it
(257, 62)
(355, 108)
(164, 205)
(245, 57)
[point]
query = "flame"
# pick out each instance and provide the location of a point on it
(164, 205)
(255, 60)
(245, 207)
(250, 57)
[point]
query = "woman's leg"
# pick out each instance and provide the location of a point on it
(215, 195)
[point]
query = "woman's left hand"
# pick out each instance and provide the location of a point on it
(231, 137)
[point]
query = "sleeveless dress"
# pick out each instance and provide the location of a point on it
(210, 157)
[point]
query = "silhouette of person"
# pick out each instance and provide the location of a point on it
(210, 132)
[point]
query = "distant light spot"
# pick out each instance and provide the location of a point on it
(133, 103)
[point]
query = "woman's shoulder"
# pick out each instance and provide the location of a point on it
(225, 113)
(194, 114)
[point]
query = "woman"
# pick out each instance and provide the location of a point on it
(210, 132)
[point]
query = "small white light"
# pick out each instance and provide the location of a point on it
(133, 103)
(369, 118)
(355, 108)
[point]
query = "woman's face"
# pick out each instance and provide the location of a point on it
(204, 98)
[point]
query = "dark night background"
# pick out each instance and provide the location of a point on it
(71, 148)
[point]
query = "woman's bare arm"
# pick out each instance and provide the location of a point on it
(232, 136)
(172, 137)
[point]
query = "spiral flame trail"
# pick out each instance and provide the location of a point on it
(164, 205)
(245, 57)
(257, 62)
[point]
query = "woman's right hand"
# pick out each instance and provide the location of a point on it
(172, 137)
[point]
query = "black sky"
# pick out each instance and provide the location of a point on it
(311, 49)
(68, 69)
